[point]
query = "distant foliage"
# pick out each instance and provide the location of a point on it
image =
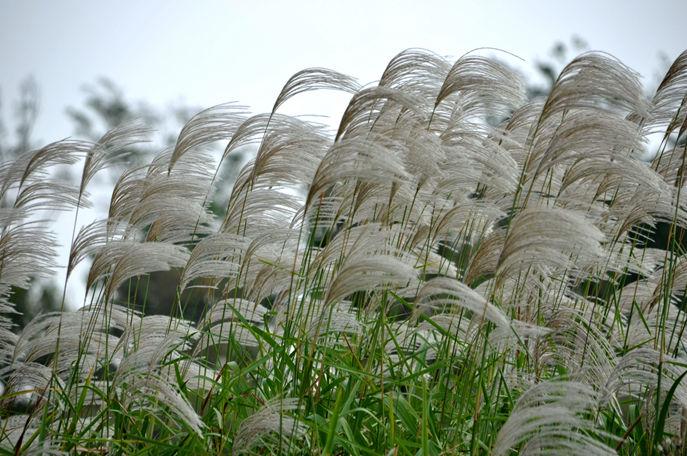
(456, 269)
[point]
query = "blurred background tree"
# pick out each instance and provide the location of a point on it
(550, 67)
(24, 112)
(104, 107)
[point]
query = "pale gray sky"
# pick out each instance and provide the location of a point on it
(208, 52)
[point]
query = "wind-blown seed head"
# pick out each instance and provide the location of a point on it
(484, 86)
(114, 146)
(315, 79)
(272, 418)
(212, 124)
(549, 418)
(550, 241)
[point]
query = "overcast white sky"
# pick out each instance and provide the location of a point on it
(204, 53)
(208, 52)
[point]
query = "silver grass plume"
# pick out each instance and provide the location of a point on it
(271, 422)
(549, 418)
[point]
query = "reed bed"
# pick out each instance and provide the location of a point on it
(455, 270)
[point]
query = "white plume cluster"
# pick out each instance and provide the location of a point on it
(450, 236)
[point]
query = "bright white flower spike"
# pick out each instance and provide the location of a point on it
(315, 79)
(549, 418)
(261, 427)
(114, 146)
(444, 294)
(549, 241)
(213, 124)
